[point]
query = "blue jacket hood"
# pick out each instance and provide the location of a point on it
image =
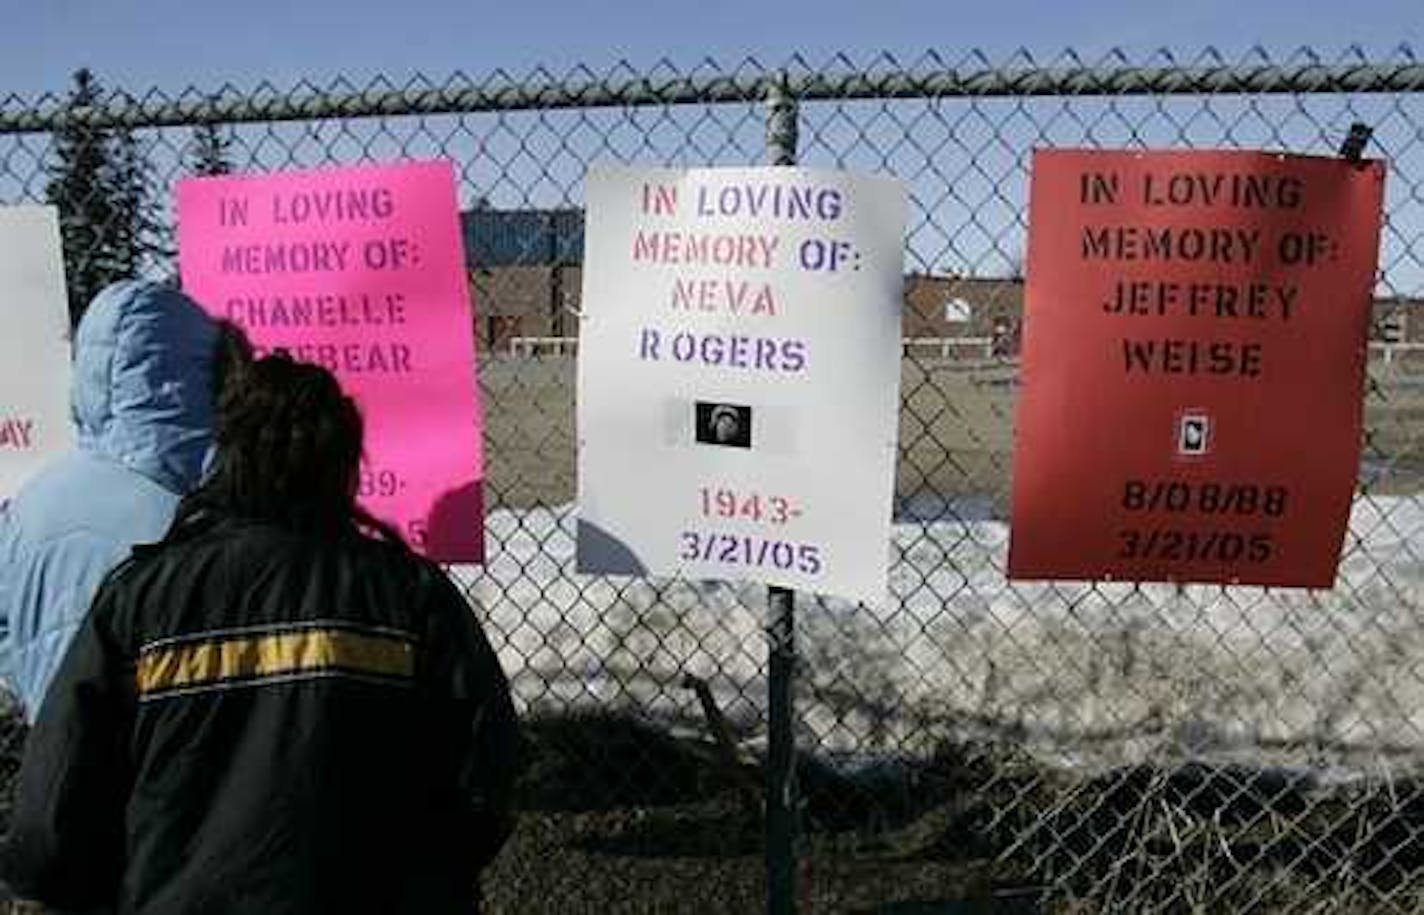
(143, 382)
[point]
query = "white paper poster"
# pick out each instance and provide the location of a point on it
(34, 348)
(739, 375)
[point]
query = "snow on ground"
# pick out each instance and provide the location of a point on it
(1084, 674)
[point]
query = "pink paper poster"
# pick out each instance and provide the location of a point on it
(360, 270)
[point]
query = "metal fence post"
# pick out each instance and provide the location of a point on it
(781, 122)
(781, 130)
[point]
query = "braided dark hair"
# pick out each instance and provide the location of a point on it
(289, 445)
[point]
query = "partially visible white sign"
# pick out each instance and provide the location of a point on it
(739, 375)
(958, 311)
(34, 347)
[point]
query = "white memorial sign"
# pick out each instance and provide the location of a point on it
(739, 375)
(34, 347)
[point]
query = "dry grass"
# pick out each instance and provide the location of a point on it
(956, 429)
(972, 829)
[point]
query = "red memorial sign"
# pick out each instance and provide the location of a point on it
(1193, 365)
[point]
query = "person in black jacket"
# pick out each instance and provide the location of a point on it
(278, 709)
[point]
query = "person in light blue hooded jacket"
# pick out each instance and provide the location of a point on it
(148, 364)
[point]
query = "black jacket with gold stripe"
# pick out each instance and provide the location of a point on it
(254, 720)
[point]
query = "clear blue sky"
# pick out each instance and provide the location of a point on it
(172, 44)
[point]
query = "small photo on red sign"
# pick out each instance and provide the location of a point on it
(1194, 435)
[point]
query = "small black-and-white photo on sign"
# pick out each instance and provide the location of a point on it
(725, 424)
(1194, 434)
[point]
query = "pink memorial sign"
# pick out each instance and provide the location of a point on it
(360, 270)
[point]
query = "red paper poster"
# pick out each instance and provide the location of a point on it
(1193, 367)
(361, 270)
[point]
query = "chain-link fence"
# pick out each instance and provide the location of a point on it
(1063, 748)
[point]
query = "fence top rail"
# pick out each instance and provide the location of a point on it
(461, 96)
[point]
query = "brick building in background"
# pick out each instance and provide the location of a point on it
(526, 270)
